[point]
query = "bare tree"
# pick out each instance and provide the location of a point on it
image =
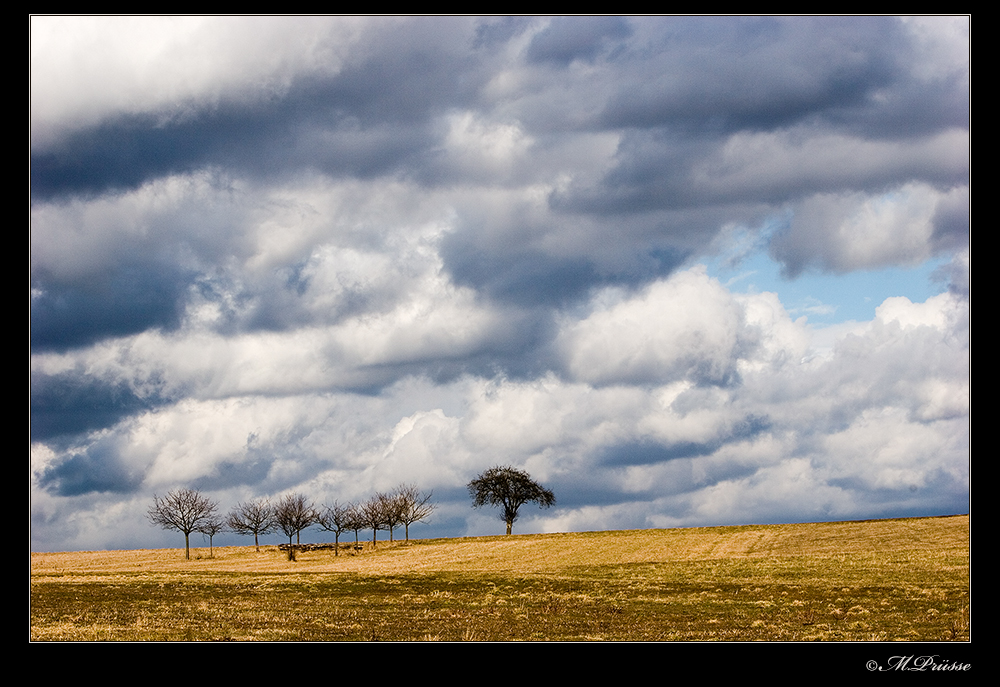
(253, 517)
(355, 522)
(392, 511)
(210, 528)
(337, 519)
(294, 513)
(184, 510)
(510, 489)
(413, 506)
(372, 515)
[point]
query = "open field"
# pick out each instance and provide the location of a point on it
(905, 579)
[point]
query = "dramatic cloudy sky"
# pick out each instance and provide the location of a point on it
(685, 271)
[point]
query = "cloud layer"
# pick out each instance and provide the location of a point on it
(332, 255)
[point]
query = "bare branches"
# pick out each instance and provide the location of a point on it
(413, 506)
(387, 511)
(294, 513)
(210, 528)
(355, 521)
(188, 511)
(392, 511)
(253, 517)
(372, 515)
(338, 519)
(509, 488)
(184, 510)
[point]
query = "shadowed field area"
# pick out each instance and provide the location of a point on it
(905, 579)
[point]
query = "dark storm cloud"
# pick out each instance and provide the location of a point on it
(498, 257)
(655, 170)
(519, 347)
(251, 472)
(939, 491)
(573, 491)
(71, 403)
(703, 80)
(98, 468)
(532, 279)
(576, 38)
(524, 278)
(371, 118)
(128, 299)
(301, 131)
(951, 221)
(719, 75)
(675, 94)
(496, 30)
(648, 452)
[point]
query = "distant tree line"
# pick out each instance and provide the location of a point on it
(187, 511)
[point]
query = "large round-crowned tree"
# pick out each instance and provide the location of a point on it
(508, 488)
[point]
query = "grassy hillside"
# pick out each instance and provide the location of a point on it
(876, 580)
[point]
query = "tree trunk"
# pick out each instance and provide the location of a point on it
(509, 525)
(187, 546)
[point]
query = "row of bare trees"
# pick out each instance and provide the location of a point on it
(383, 511)
(187, 511)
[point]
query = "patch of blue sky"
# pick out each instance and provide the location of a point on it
(828, 298)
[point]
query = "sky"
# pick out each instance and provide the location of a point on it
(685, 271)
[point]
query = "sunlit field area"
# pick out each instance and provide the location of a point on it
(883, 580)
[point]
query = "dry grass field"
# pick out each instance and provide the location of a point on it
(883, 580)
